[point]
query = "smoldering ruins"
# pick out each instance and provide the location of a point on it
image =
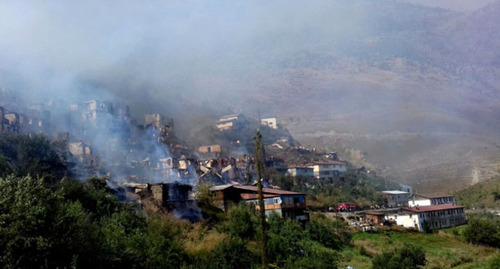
(145, 162)
(141, 159)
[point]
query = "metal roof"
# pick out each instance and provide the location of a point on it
(255, 189)
(419, 209)
(395, 192)
(433, 195)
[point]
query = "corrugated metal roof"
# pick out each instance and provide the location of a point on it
(433, 195)
(255, 189)
(395, 192)
(266, 190)
(220, 187)
(253, 196)
(429, 208)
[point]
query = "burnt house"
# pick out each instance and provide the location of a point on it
(234, 122)
(160, 126)
(175, 197)
(287, 204)
(10, 121)
(276, 163)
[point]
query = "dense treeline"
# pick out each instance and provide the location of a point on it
(82, 225)
(48, 220)
(31, 154)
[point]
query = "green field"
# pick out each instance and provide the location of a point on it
(446, 249)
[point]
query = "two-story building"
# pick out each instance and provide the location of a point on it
(287, 204)
(328, 170)
(430, 199)
(430, 217)
(396, 198)
(300, 170)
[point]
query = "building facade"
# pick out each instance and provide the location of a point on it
(328, 170)
(287, 204)
(430, 217)
(299, 170)
(430, 199)
(396, 198)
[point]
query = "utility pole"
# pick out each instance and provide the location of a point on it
(260, 197)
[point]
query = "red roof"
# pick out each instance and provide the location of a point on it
(252, 196)
(418, 209)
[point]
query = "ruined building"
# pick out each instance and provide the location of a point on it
(175, 197)
(161, 126)
(232, 122)
(36, 121)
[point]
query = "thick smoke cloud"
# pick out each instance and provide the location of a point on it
(206, 57)
(160, 49)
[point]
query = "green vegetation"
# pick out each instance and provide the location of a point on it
(30, 154)
(349, 187)
(483, 230)
(406, 257)
(446, 249)
(483, 195)
(81, 225)
(47, 221)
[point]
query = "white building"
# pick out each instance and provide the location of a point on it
(430, 217)
(328, 170)
(396, 198)
(430, 199)
(272, 122)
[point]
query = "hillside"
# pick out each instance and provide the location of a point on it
(484, 195)
(423, 112)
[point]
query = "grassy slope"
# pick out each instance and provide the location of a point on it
(481, 195)
(443, 250)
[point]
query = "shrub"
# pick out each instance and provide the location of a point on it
(406, 257)
(483, 231)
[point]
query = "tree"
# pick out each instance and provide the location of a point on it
(23, 155)
(241, 222)
(260, 172)
(483, 231)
